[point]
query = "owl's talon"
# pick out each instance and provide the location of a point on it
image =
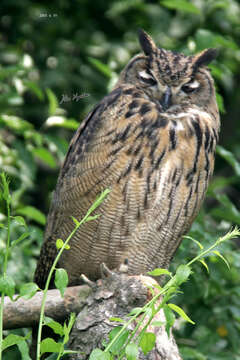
(123, 268)
(105, 271)
(88, 282)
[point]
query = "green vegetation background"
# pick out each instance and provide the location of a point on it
(58, 59)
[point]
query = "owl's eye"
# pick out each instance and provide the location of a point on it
(147, 78)
(191, 86)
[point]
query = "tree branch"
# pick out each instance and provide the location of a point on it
(25, 313)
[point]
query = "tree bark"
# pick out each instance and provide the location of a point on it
(114, 296)
(25, 313)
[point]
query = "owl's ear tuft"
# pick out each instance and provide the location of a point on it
(205, 57)
(147, 44)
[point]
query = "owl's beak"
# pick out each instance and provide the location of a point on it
(165, 100)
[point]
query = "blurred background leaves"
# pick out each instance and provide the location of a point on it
(51, 53)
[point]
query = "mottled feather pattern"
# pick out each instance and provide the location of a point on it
(153, 146)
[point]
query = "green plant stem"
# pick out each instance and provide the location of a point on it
(164, 301)
(171, 284)
(1, 323)
(8, 240)
(152, 301)
(48, 282)
(6, 190)
(231, 234)
(85, 219)
(60, 352)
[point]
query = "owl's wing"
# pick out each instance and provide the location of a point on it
(86, 172)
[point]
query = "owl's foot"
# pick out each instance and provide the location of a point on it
(106, 272)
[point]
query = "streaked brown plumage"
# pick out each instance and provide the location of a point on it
(151, 141)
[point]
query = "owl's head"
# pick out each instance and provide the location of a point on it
(171, 78)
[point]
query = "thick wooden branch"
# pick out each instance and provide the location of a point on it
(114, 296)
(25, 313)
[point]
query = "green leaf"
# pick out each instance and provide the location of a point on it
(62, 122)
(147, 342)
(24, 350)
(220, 102)
(5, 191)
(228, 211)
(49, 345)
(216, 252)
(13, 339)
(194, 240)
(33, 214)
(180, 312)
(28, 290)
(230, 158)
(180, 5)
(135, 310)
(45, 156)
(204, 264)
(188, 353)
(27, 166)
(60, 244)
(117, 320)
(36, 137)
(120, 341)
(7, 286)
(182, 274)
(158, 272)
(14, 99)
(131, 351)
(21, 238)
(157, 323)
(19, 220)
(98, 201)
(232, 234)
(61, 280)
(220, 182)
(54, 325)
(103, 68)
(170, 318)
(53, 102)
(10, 71)
(76, 222)
(16, 123)
(35, 88)
(207, 39)
(91, 218)
(68, 328)
(66, 333)
(98, 354)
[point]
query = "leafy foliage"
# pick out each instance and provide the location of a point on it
(51, 54)
(123, 341)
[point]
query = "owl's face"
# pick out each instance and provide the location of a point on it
(172, 79)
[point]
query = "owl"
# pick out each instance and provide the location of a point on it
(151, 141)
